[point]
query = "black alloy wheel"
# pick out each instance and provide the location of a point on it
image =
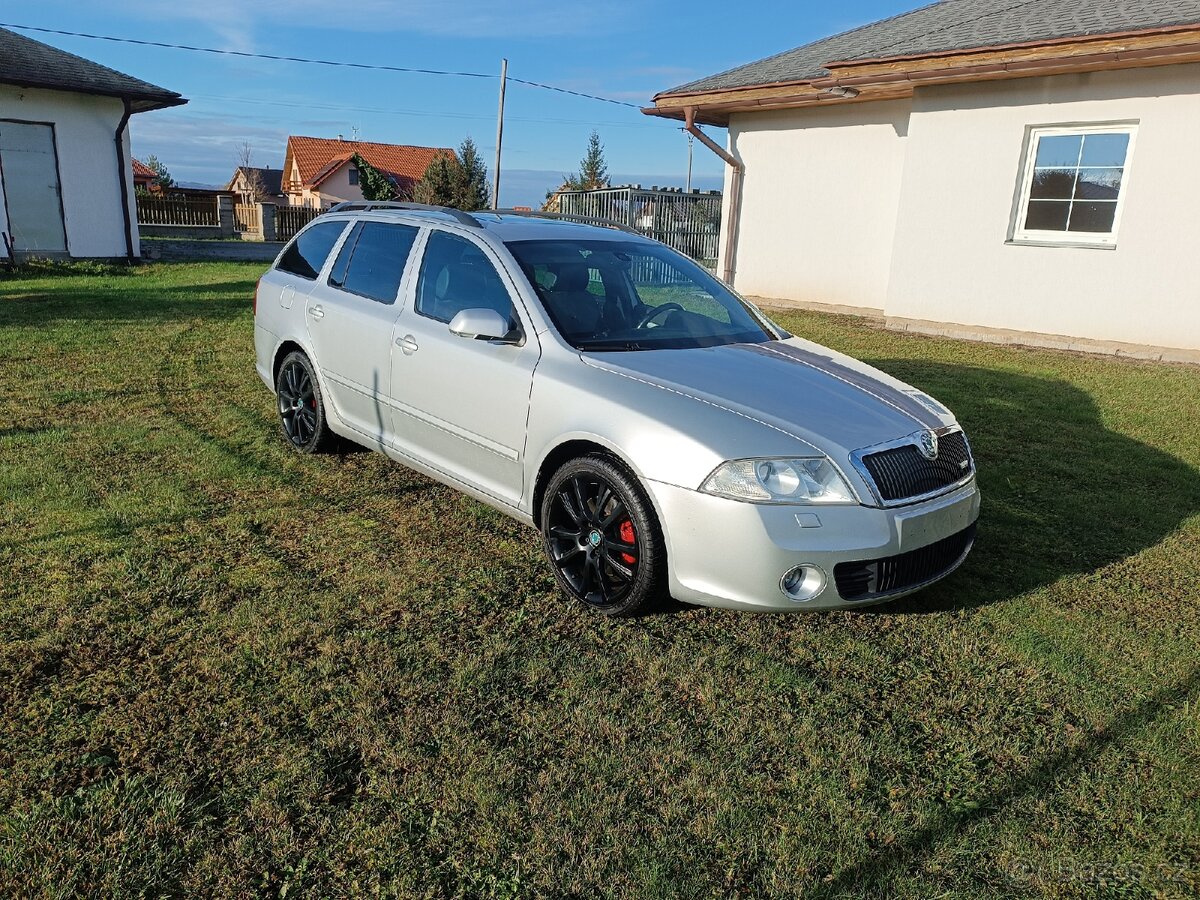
(301, 410)
(601, 537)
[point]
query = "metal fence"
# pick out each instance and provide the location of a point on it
(290, 219)
(690, 223)
(177, 211)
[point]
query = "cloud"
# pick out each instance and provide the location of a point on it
(204, 148)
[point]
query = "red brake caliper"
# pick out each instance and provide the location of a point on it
(629, 536)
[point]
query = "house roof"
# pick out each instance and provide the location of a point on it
(141, 170)
(29, 63)
(955, 25)
(318, 158)
(272, 179)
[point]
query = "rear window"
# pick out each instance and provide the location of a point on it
(306, 255)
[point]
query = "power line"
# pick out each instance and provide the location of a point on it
(309, 61)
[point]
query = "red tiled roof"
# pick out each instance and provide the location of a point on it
(317, 158)
(141, 170)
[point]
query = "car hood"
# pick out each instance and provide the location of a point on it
(826, 399)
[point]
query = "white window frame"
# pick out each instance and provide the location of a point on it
(1020, 234)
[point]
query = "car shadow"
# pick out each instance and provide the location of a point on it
(1063, 494)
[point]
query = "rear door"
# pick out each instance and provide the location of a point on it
(33, 197)
(463, 405)
(351, 314)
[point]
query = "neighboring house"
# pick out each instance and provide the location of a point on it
(65, 166)
(143, 175)
(319, 172)
(248, 181)
(998, 165)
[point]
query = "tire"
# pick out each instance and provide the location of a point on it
(601, 537)
(301, 406)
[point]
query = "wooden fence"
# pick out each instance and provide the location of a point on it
(247, 219)
(177, 211)
(290, 219)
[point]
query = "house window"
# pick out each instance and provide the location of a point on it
(1074, 182)
(352, 172)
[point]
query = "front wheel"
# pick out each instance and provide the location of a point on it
(602, 538)
(301, 407)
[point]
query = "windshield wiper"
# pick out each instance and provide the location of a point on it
(605, 346)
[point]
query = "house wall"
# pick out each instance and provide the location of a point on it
(953, 261)
(338, 189)
(87, 163)
(819, 201)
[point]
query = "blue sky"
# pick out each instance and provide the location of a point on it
(623, 49)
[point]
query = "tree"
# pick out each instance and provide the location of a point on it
(593, 168)
(374, 184)
(473, 192)
(162, 178)
(458, 180)
(256, 190)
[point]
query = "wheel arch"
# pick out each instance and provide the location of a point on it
(281, 353)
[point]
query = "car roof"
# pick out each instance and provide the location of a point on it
(506, 226)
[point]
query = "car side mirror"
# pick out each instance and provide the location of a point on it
(483, 325)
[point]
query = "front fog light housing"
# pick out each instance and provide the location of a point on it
(802, 583)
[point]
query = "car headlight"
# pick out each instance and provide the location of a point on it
(813, 480)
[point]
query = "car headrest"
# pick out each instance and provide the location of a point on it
(570, 277)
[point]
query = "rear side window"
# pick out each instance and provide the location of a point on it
(372, 260)
(307, 253)
(456, 275)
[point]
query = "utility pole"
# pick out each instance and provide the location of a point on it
(499, 135)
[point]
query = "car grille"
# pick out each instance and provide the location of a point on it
(877, 578)
(903, 472)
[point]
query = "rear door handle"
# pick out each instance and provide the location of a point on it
(408, 344)
(316, 312)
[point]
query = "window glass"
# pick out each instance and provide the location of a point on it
(352, 174)
(377, 253)
(306, 255)
(1075, 182)
(456, 275)
(617, 295)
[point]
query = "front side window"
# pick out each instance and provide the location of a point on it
(634, 295)
(455, 275)
(371, 263)
(1074, 184)
(306, 255)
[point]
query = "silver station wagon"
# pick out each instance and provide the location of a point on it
(662, 434)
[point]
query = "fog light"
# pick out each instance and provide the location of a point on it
(802, 583)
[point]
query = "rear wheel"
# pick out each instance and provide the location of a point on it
(301, 407)
(602, 538)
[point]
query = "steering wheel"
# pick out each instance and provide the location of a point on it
(654, 312)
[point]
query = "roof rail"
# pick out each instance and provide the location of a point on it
(569, 217)
(365, 205)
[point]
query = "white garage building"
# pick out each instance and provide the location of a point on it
(975, 167)
(65, 168)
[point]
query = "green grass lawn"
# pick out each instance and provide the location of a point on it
(228, 671)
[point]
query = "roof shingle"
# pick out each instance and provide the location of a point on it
(405, 163)
(952, 25)
(29, 63)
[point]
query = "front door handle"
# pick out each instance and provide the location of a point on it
(316, 312)
(408, 344)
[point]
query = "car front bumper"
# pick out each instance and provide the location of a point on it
(734, 555)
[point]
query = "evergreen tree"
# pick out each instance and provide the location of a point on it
(162, 178)
(473, 191)
(374, 184)
(593, 168)
(440, 185)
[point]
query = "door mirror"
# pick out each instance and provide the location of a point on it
(483, 325)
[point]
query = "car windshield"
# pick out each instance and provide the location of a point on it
(634, 295)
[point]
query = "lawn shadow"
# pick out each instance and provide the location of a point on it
(126, 301)
(1063, 494)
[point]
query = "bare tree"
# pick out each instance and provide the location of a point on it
(256, 191)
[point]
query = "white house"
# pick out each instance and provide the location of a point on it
(65, 168)
(979, 167)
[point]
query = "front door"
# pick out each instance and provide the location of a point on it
(351, 316)
(33, 198)
(462, 405)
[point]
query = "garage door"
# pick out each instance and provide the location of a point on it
(29, 166)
